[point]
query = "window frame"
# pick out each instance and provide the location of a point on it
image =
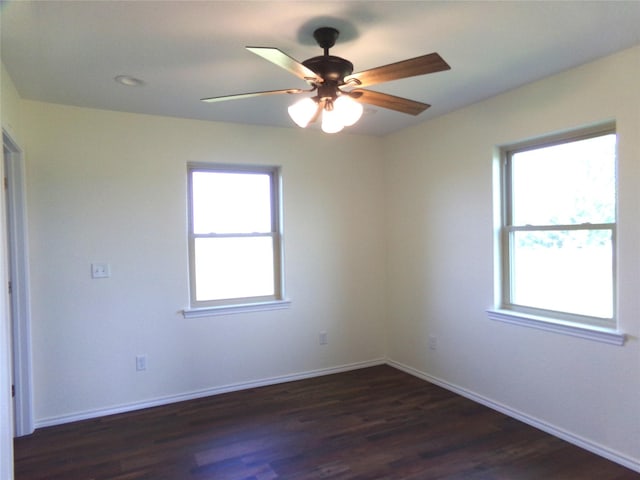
(251, 303)
(507, 308)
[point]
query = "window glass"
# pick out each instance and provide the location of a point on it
(229, 268)
(234, 235)
(570, 183)
(558, 240)
(231, 202)
(565, 271)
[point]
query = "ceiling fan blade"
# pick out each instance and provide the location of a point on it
(391, 102)
(429, 63)
(281, 59)
(251, 94)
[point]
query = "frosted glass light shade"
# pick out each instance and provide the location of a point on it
(331, 121)
(349, 110)
(302, 112)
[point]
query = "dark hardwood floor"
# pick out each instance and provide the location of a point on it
(376, 423)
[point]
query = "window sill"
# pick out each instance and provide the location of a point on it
(231, 309)
(597, 334)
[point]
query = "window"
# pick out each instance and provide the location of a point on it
(558, 232)
(235, 242)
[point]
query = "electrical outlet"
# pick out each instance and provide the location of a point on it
(141, 362)
(322, 338)
(100, 270)
(432, 342)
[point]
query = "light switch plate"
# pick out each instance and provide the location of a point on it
(100, 270)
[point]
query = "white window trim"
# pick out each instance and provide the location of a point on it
(569, 324)
(589, 332)
(237, 308)
(245, 304)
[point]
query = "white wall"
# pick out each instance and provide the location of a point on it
(439, 185)
(111, 187)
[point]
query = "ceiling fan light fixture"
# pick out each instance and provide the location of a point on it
(348, 109)
(342, 112)
(331, 121)
(303, 111)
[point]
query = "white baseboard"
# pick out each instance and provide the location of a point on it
(621, 459)
(102, 412)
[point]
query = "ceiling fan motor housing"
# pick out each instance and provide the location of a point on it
(330, 68)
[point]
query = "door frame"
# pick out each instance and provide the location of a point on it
(15, 229)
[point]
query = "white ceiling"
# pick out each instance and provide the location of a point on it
(69, 51)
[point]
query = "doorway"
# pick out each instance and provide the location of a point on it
(18, 286)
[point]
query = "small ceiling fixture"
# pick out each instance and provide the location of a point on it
(339, 97)
(128, 81)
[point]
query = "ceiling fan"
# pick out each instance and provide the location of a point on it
(339, 93)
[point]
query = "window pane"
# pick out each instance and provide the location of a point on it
(231, 202)
(570, 183)
(234, 267)
(567, 271)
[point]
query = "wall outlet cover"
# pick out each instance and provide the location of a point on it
(100, 270)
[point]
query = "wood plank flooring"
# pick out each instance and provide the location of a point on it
(376, 423)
